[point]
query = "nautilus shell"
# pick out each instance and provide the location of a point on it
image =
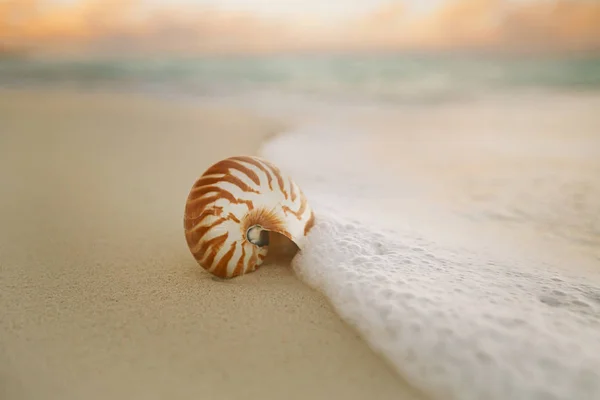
(233, 207)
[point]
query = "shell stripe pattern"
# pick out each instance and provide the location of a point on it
(233, 195)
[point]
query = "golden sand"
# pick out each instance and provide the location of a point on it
(100, 296)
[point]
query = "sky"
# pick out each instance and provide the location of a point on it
(328, 9)
(322, 8)
(275, 25)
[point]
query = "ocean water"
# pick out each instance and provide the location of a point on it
(457, 201)
(457, 313)
(398, 78)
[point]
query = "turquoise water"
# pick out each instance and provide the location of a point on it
(401, 78)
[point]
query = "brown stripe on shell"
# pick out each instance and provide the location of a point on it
(202, 180)
(225, 178)
(233, 218)
(298, 213)
(210, 248)
(224, 194)
(279, 177)
(239, 268)
(202, 191)
(309, 224)
(258, 165)
(190, 221)
(193, 211)
(222, 167)
(200, 230)
(220, 269)
(292, 190)
(282, 186)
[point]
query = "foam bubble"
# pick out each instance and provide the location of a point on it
(456, 321)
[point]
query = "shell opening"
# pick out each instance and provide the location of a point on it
(281, 249)
(258, 236)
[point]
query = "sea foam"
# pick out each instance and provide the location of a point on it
(457, 321)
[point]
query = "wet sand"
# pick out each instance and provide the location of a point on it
(100, 296)
(523, 170)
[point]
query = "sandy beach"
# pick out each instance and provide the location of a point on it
(100, 296)
(448, 152)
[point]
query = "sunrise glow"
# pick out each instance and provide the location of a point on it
(201, 26)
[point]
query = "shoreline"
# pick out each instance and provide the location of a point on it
(475, 163)
(102, 297)
(446, 234)
(148, 147)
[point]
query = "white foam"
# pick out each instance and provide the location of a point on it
(455, 320)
